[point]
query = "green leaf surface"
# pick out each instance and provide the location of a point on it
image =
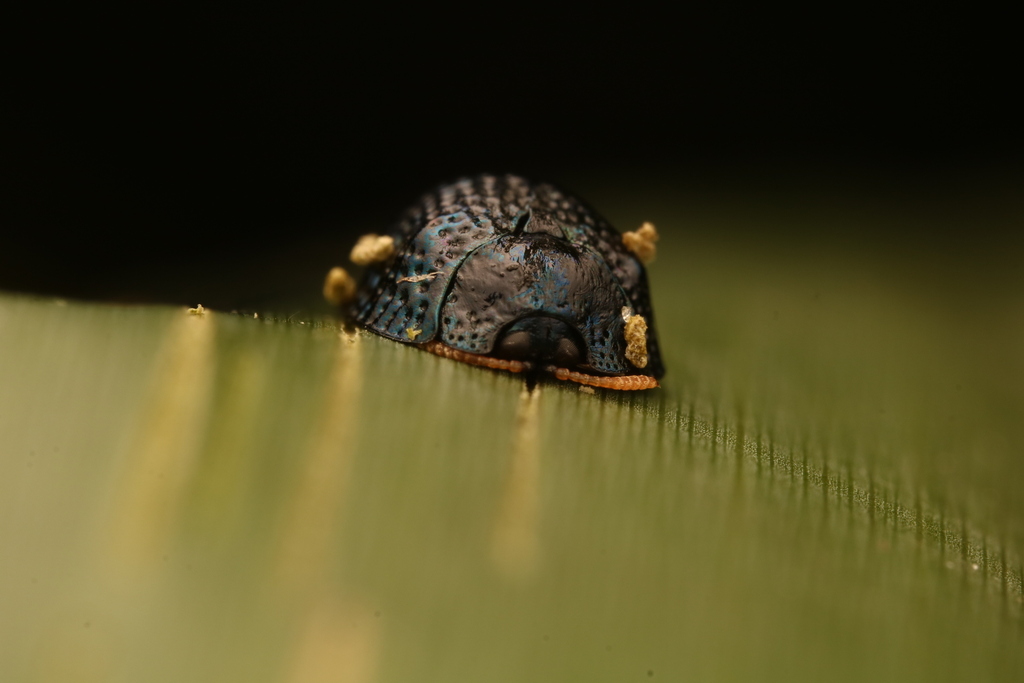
(826, 488)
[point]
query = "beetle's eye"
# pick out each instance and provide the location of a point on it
(515, 345)
(567, 355)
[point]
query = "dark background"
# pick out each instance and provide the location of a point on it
(144, 154)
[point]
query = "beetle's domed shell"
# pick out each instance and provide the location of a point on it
(475, 256)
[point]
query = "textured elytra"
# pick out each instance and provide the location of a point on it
(477, 255)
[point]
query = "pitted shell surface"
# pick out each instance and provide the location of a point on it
(474, 256)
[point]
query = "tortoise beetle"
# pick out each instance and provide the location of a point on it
(498, 272)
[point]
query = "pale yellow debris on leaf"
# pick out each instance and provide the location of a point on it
(584, 389)
(307, 527)
(636, 340)
(413, 333)
(515, 541)
(641, 242)
(198, 310)
(340, 642)
(163, 454)
(339, 287)
(372, 249)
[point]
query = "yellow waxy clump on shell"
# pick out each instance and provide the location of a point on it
(339, 287)
(636, 341)
(641, 242)
(372, 249)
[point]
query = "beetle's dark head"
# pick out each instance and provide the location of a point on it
(541, 340)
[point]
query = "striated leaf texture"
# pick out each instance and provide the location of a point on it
(826, 488)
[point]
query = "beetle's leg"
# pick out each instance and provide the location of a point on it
(440, 349)
(623, 383)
